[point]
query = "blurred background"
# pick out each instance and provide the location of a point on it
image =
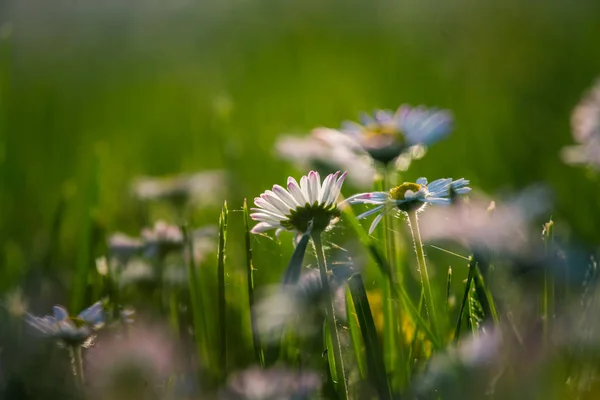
(111, 90)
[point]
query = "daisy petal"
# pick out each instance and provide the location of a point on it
(375, 223)
(261, 227)
(370, 212)
(295, 191)
(60, 313)
(285, 196)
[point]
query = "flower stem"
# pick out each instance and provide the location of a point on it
(77, 365)
(414, 229)
(331, 322)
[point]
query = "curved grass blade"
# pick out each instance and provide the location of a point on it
(221, 289)
(356, 336)
(465, 298)
(329, 354)
(258, 352)
(294, 268)
(375, 362)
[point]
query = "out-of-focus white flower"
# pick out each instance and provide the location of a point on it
(74, 331)
(503, 230)
(274, 383)
(122, 246)
(292, 305)
(162, 238)
(203, 188)
(585, 126)
(136, 271)
(132, 366)
(327, 150)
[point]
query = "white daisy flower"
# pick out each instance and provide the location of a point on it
(410, 196)
(309, 203)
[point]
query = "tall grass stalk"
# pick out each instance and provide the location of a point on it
(200, 337)
(342, 387)
(221, 302)
(472, 265)
(258, 352)
(389, 285)
(548, 296)
(84, 254)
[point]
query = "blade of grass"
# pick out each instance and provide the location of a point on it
(548, 299)
(355, 335)
(258, 352)
(221, 304)
(376, 365)
(330, 354)
(294, 268)
(465, 298)
(448, 287)
(199, 325)
(485, 295)
(84, 253)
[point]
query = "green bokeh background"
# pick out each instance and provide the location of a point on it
(111, 90)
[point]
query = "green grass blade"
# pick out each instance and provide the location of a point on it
(448, 290)
(375, 361)
(329, 353)
(199, 325)
(258, 352)
(294, 268)
(485, 295)
(465, 298)
(221, 303)
(356, 336)
(85, 261)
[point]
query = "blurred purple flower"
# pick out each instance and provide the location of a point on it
(275, 383)
(488, 227)
(134, 365)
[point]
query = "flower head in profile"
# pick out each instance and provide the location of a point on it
(308, 204)
(585, 125)
(410, 196)
(162, 238)
(327, 150)
(201, 188)
(73, 331)
(385, 135)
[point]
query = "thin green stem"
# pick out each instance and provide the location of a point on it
(396, 353)
(331, 322)
(548, 300)
(77, 365)
(472, 266)
(429, 303)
